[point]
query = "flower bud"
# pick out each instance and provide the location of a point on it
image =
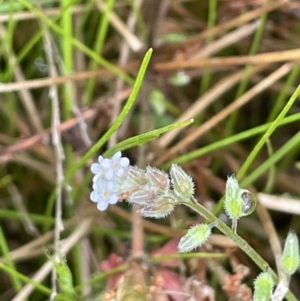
(195, 237)
(137, 175)
(232, 203)
(158, 179)
(290, 257)
(263, 286)
(142, 197)
(182, 183)
(238, 202)
(159, 208)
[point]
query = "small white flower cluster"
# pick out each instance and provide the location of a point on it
(109, 174)
(155, 192)
(151, 189)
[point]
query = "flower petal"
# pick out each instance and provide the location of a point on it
(124, 162)
(113, 199)
(96, 168)
(116, 156)
(102, 205)
(94, 196)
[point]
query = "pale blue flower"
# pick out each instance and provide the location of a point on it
(96, 167)
(116, 166)
(109, 174)
(104, 194)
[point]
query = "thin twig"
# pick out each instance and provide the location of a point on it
(262, 58)
(20, 16)
(226, 40)
(49, 81)
(134, 43)
(280, 203)
(59, 154)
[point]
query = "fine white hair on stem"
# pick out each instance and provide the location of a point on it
(59, 154)
(72, 96)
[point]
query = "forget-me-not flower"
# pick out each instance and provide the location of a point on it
(108, 177)
(104, 194)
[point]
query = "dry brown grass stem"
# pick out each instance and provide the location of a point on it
(233, 23)
(280, 203)
(7, 153)
(241, 101)
(264, 58)
(271, 232)
(134, 43)
(21, 16)
(46, 82)
(276, 88)
(207, 99)
(226, 40)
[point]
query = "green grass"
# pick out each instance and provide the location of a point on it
(258, 142)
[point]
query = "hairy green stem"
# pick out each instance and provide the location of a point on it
(262, 264)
